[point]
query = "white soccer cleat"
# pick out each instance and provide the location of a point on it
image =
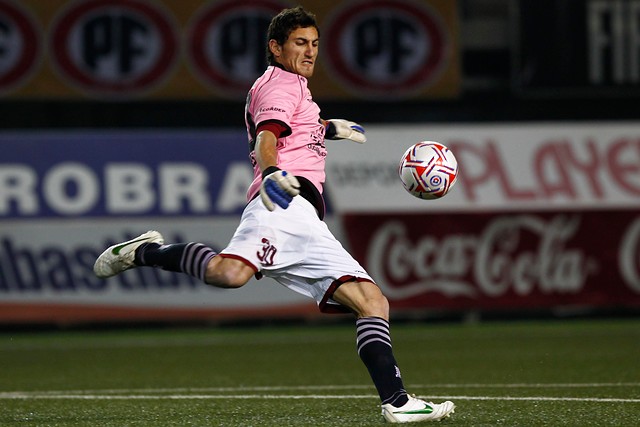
(119, 257)
(416, 410)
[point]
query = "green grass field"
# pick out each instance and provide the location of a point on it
(550, 373)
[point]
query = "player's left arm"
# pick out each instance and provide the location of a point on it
(344, 129)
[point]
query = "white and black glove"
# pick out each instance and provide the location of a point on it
(344, 129)
(278, 187)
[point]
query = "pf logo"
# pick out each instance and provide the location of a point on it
(115, 48)
(385, 48)
(227, 44)
(19, 46)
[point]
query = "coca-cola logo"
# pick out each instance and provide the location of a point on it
(518, 254)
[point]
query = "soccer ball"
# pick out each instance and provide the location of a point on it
(428, 170)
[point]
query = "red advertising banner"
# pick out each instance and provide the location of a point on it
(501, 261)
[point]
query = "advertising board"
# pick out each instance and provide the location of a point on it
(542, 216)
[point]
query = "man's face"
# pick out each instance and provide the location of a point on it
(298, 54)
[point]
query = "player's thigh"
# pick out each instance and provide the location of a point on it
(228, 272)
(364, 298)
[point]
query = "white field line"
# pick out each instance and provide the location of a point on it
(22, 396)
(264, 389)
(266, 392)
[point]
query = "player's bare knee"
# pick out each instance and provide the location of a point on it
(376, 305)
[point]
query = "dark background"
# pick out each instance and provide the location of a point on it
(521, 61)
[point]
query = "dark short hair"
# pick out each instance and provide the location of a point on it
(284, 23)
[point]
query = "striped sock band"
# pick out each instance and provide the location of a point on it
(373, 341)
(195, 259)
(372, 329)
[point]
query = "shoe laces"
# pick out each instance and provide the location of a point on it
(431, 404)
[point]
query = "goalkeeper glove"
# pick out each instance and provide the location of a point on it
(278, 187)
(344, 129)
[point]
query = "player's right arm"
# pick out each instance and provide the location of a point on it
(278, 187)
(266, 151)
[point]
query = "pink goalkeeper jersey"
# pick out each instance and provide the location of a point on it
(283, 97)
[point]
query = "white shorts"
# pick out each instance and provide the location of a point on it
(297, 249)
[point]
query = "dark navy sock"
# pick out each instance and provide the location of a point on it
(374, 348)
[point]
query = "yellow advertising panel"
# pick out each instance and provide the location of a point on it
(194, 49)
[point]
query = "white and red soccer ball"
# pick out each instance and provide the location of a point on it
(428, 170)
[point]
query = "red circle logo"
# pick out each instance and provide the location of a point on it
(118, 48)
(20, 46)
(385, 48)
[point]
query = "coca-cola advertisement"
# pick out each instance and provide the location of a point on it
(499, 261)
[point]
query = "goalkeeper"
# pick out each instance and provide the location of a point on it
(281, 233)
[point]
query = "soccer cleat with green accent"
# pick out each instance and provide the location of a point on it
(416, 410)
(119, 257)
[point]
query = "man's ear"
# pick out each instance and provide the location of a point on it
(274, 47)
